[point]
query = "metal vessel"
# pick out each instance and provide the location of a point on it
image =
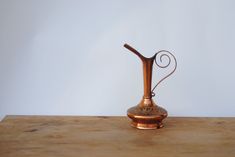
(147, 114)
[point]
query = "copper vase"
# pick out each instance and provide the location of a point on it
(147, 114)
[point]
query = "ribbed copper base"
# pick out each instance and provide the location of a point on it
(146, 126)
(147, 117)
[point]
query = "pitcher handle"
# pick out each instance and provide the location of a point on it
(164, 53)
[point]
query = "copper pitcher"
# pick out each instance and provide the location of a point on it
(147, 114)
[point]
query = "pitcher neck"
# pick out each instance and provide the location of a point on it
(147, 71)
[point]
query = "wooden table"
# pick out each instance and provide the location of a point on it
(67, 136)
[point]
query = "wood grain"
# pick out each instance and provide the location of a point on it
(65, 136)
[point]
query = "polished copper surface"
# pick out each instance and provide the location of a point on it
(147, 114)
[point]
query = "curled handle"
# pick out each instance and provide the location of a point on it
(162, 54)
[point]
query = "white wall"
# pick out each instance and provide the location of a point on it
(67, 57)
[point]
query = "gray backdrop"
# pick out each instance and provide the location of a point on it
(67, 57)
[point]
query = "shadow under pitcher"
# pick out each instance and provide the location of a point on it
(147, 114)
